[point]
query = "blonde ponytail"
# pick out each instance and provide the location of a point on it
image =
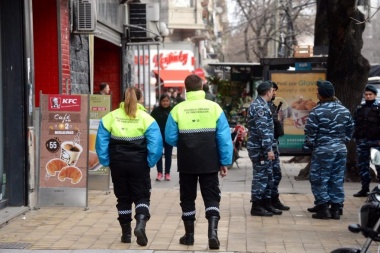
(130, 102)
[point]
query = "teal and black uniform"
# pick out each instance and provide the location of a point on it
(130, 147)
(199, 129)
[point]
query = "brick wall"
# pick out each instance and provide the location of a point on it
(65, 45)
(107, 68)
(45, 48)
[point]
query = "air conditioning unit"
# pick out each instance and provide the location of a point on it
(143, 20)
(84, 15)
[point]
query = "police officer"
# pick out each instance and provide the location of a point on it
(367, 135)
(130, 143)
(328, 128)
(278, 132)
(199, 129)
(259, 146)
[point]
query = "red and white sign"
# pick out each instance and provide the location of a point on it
(167, 59)
(64, 102)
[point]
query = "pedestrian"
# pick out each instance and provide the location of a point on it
(199, 129)
(276, 168)
(180, 98)
(173, 99)
(367, 135)
(328, 129)
(209, 95)
(161, 114)
(104, 89)
(130, 143)
(259, 146)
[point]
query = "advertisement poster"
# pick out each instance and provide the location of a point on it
(99, 176)
(297, 91)
(63, 154)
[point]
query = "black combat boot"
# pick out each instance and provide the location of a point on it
(213, 241)
(323, 212)
(258, 210)
(141, 220)
(313, 209)
(188, 238)
(267, 204)
(127, 231)
(336, 211)
(363, 192)
(276, 203)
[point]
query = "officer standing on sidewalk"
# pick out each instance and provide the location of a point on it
(199, 128)
(278, 132)
(367, 135)
(259, 146)
(329, 127)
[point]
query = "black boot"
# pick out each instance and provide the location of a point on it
(363, 192)
(313, 209)
(127, 231)
(336, 211)
(267, 204)
(323, 212)
(258, 210)
(188, 238)
(213, 241)
(141, 220)
(276, 203)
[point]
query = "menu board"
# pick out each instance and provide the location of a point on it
(99, 176)
(297, 91)
(63, 150)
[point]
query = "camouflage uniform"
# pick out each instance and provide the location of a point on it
(367, 135)
(260, 141)
(278, 131)
(329, 127)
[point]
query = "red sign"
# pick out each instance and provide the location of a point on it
(64, 102)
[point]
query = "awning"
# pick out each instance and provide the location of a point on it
(173, 78)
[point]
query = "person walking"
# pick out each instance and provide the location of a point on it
(276, 168)
(367, 135)
(328, 129)
(260, 151)
(161, 114)
(199, 129)
(130, 143)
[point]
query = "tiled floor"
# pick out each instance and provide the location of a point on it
(97, 230)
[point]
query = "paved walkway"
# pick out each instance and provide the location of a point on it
(97, 230)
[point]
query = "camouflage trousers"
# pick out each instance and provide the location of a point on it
(327, 177)
(262, 179)
(277, 176)
(363, 147)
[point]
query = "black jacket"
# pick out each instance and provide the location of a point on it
(161, 114)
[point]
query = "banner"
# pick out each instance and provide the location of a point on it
(99, 176)
(298, 93)
(63, 150)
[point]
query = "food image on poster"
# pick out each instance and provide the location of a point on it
(53, 166)
(70, 172)
(297, 94)
(93, 161)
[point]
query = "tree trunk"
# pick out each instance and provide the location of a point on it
(347, 69)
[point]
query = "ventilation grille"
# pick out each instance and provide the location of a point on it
(86, 15)
(137, 17)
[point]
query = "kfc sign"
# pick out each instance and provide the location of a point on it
(64, 102)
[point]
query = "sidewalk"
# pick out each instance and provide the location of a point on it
(97, 230)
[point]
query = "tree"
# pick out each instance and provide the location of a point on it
(260, 25)
(339, 25)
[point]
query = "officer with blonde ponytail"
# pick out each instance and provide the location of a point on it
(130, 143)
